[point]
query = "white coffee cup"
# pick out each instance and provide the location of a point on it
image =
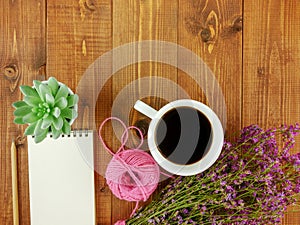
(212, 149)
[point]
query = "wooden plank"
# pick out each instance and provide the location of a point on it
(125, 30)
(22, 59)
(271, 68)
(78, 32)
(135, 20)
(213, 30)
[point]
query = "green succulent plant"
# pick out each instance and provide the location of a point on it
(46, 107)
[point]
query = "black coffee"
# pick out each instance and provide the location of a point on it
(183, 134)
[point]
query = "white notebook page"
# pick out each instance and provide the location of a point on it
(61, 184)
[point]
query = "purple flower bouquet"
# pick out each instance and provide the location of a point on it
(252, 182)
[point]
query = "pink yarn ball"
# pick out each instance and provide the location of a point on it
(132, 175)
(120, 222)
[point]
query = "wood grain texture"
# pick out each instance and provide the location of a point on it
(213, 30)
(125, 30)
(271, 82)
(22, 57)
(252, 47)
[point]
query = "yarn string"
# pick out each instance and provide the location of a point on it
(124, 137)
(132, 174)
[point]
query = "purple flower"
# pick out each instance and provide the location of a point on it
(202, 210)
(185, 211)
(223, 183)
(237, 182)
(152, 221)
(228, 197)
(229, 188)
(241, 202)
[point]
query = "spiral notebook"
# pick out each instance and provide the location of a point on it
(61, 181)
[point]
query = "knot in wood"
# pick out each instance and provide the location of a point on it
(11, 71)
(205, 35)
(238, 24)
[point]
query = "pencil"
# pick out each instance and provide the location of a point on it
(14, 183)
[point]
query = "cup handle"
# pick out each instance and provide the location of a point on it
(145, 109)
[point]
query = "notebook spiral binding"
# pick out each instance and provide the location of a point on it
(80, 133)
(74, 133)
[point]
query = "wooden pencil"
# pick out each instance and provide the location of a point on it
(14, 173)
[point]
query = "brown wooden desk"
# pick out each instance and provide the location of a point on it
(253, 48)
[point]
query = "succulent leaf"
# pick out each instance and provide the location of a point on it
(53, 84)
(36, 85)
(19, 120)
(69, 113)
(41, 136)
(19, 104)
(30, 129)
(40, 114)
(61, 103)
(35, 109)
(32, 101)
(45, 115)
(22, 111)
(44, 90)
(50, 99)
(56, 112)
(55, 133)
(74, 113)
(47, 122)
(29, 91)
(63, 91)
(31, 118)
(38, 128)
(66, 129)
(58, 123)
(72, 100)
